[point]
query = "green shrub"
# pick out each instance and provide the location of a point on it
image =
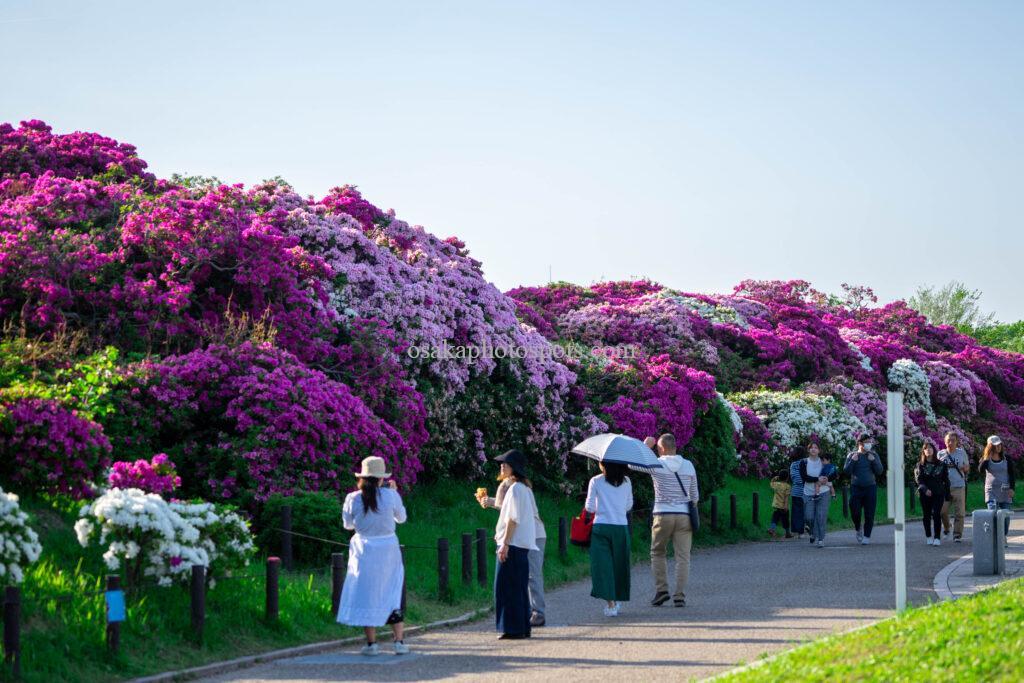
(712, 449)
(313, 514)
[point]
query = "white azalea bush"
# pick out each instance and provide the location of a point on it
(155, 539)
(794, 417)
(907, 376)
(19, 544)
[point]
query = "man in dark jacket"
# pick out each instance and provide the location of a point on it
(863, 466)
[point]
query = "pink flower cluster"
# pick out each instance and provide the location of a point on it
(47, 448)
(157, 475)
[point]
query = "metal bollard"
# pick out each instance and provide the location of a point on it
(467, 558)
(563, 541)
(113, 628)
(12, 629)
(198, 590)
(337, 580)
(442, 568)
(273, 588)
(481, 556)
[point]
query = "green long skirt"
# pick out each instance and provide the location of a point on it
(610, 562)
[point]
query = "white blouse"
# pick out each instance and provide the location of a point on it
(518, 506)
(610, 503)
(373, 524)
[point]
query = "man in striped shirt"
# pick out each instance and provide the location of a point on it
(675, 489)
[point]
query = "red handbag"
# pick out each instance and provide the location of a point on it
(580, 529)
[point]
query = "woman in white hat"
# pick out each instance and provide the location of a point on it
(372, 595)
(999, 479)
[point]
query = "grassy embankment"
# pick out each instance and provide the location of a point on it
(977, 638)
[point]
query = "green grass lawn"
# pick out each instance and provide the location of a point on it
(63, 630)
(977, 638)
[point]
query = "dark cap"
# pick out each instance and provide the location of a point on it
(514, 459)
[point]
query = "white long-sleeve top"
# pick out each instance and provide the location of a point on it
(609, 503)
(368, 524)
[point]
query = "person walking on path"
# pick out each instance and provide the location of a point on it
(780, 503)
(932, 477)
(863, 466)
(675, 490)
(796, 516)
(999, 479)
(609, 498)
(535, 557)
(955, 459)
(816, 477)
(372, 595)
(516, 536)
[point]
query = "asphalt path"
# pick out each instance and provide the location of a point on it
(743, 601)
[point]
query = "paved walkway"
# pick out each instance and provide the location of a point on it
(743, 601)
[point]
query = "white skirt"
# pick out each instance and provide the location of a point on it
(373, 584)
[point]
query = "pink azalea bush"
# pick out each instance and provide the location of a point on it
(47, 448)
(157, 475)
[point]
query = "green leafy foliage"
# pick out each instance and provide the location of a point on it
(313, 514)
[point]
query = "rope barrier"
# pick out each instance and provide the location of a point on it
(346, 545)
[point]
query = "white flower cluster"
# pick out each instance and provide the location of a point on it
(716, 313)
(793, 417)
(865, 361)
(19, 544)
(164, 540)
(910, 378)
(737, 422)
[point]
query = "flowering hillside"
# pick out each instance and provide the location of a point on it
(267, 342)
(793, 362)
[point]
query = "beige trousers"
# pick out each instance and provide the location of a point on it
(959, 506)
(675, 528)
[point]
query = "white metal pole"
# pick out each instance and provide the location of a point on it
(896, 497)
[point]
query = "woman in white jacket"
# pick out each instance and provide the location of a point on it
(372, 595)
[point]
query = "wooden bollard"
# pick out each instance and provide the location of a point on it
(912, 497)
(467, 558)
(755, 509)
(273, 609)
(732, 510)
(442, 568)
(714, 513)
(286, 537)
(113, 628)
(12, 629)
(198, 591)
(337, 580)
(846, 502)
(563, 541)
(481, 556)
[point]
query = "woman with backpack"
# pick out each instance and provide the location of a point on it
(372, 595)
(932, 477)
(609, 498)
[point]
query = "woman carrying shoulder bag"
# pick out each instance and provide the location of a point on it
(372, 595)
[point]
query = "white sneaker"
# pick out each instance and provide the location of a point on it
(938, 541)
(371, 650)
(865, 540)
(821, 544)
(860, 537)
(401, 648)
(929, 541)
(611, 611)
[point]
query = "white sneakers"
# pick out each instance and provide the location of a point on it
(860, 538)
(373, 649)
(612, 611)
(865, 540)
(933, 541)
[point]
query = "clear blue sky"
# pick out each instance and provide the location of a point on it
(697, 144)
